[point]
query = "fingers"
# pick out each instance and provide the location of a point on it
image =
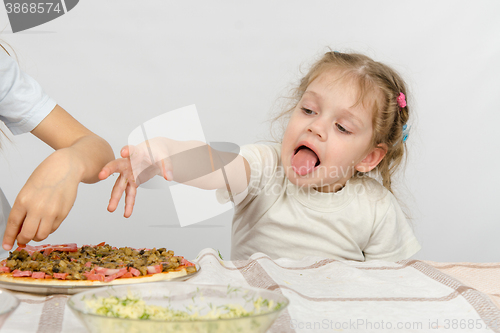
(126, 151)
(50, 221)
(166, 169)
(28, 229)
(135, 167)
(45, 228)
(118, 165)
(116, 192)
(130, 193)
(34, 225)
(124, 183)
(14, 225)
(104, 173)
(130, 189)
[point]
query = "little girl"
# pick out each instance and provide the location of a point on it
(309, 195)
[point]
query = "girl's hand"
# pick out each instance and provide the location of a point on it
(124, 183)
(149, 158)
(45, 200)
(136, 167)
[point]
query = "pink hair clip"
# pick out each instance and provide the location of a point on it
(401, 100)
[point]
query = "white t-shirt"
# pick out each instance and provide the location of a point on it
(363, 221)
(23, 105)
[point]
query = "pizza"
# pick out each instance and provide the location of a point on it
(102, 264)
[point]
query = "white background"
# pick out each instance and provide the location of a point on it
(115, 64)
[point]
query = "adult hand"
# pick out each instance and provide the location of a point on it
(48, 195)
(45, 200)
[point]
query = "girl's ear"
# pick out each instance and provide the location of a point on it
(372, 159)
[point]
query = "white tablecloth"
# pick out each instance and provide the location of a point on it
(327, 296)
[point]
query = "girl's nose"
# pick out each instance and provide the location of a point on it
(317, 128)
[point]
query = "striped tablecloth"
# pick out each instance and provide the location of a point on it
(330, 296)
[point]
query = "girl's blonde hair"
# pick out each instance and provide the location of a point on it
(379, 87)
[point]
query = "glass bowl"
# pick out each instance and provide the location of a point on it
(8, 303)
(254, 309)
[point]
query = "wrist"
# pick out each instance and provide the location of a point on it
(70, 161)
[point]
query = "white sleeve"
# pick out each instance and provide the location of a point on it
(392, 238)
(23, 104)
(262, 160)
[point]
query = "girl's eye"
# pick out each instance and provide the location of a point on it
(307, 111)
(342, 129)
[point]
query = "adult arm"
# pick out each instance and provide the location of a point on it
(49, 193)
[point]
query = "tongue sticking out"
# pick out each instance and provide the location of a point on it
(304, 161)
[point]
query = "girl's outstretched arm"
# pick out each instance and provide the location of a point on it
(48, 195)
(191, 163)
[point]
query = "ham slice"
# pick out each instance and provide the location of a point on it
(154, 269)
(47, 248)
(134, 271)
(186, 263)
(120, 273)
(18, 273)
(109, 271)
(93, 276)
(60, 276)
(304, 161)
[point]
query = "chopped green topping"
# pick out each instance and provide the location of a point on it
(135, 308)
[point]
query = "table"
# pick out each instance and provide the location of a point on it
(327, 295)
